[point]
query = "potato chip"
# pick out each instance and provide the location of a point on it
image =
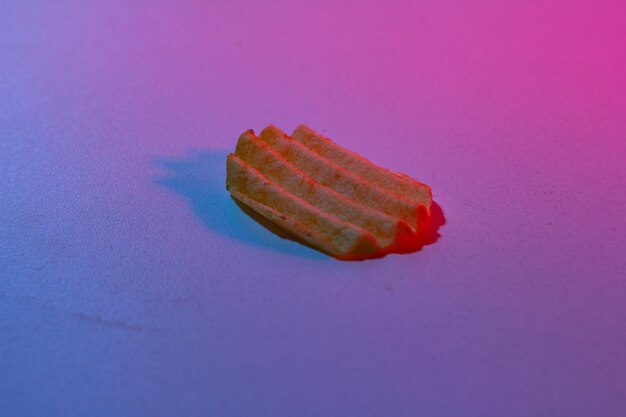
(326, 195)
(387, 229)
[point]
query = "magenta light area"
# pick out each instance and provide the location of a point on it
(132, 285)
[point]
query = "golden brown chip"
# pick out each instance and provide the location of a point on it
(387, 229)
(328, 196)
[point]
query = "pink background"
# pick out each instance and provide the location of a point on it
(131, 284)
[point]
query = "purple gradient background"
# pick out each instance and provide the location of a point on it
(133, 286)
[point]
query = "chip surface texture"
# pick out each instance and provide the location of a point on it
(327, 196)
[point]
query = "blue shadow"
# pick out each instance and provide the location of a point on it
(201, 179)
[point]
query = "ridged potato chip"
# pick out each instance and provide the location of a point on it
(326, 195)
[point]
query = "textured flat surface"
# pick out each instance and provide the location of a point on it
(132, 285)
